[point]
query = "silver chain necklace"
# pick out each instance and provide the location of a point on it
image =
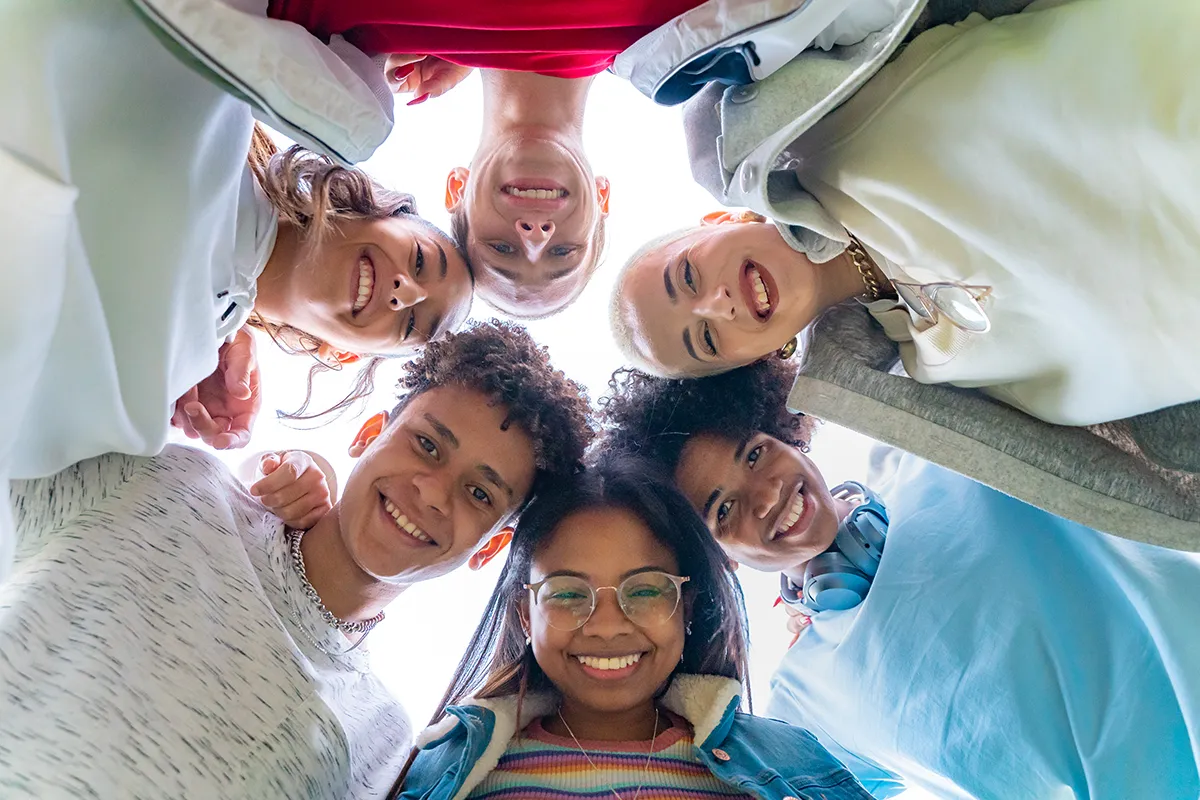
(645, 767)
(356, 627)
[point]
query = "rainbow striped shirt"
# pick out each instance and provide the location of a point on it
(539, 765)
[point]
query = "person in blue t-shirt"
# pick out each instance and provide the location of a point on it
(969, 645)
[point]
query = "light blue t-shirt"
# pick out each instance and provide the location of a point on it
(1003, 652)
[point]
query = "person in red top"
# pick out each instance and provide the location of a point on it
(528, 212)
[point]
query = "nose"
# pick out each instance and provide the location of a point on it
(607, 620)
(766, 497)
(406, 292)
(534, 235)
(432, 493)
(715, 304)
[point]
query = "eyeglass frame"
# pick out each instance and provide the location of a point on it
(594, 591)
(929, 310)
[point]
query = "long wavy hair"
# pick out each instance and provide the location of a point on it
(498, 662)
(310, 192)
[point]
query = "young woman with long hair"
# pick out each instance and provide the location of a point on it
(611, 661)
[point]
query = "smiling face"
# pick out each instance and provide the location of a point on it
(437, 480)
(720, 297)
(764, 501)
(382, 286)
(533, 211)
(604, 547)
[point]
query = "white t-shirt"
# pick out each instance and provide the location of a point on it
(1054, 156)
(1003, 652)
(155, 642)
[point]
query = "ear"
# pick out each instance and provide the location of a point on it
(492, 548)
(731, 217)
(603, 193)
(456, 187)
(368, 433)
(330, 354)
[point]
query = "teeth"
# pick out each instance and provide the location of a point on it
(365, 283)
(405, 524)
(793, 514)
(535, 194)
(762, 302)
(616, 662)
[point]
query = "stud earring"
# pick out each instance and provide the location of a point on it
(528, 640)
(788, 350)
(687, 629)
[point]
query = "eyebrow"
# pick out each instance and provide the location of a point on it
(441, 261)
(507, 274)
(442, 430)
(495, 478)
(687, 343)
(562, 273)
(667, 283)
(570, 573)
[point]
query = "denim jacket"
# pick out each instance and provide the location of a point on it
(764, 758)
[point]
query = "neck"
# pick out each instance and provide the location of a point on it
(841, 280)
(634, 724)
(347, 591)
(796, 574)
(278, 277)
(525, 103)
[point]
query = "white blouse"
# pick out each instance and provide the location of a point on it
(1054, 156)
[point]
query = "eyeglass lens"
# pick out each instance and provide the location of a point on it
(648, 599)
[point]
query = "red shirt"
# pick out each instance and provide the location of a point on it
(561, 38)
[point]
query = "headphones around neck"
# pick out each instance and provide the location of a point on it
(840, 577)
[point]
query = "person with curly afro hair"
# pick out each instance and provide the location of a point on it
(231, 624)
(912, 662)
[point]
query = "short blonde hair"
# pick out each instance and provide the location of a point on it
(618, 319)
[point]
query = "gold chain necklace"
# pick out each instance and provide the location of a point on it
(858, 255)
(645, 767)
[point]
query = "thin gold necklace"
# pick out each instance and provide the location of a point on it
(645, 767)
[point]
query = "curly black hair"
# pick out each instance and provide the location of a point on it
(501, 361)
(654, 417)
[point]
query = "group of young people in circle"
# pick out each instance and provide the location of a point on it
(166, 631)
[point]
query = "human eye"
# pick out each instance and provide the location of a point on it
(420, 265)
(562, 250)
(755, 454)
(410, 325)
(706, 337)
(723, 511)
(480, 495)
(644, 591)
(503, 248)
(427, 445)
(689, 277)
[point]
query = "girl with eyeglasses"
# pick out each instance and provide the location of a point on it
(1012, 204)
(611, 662)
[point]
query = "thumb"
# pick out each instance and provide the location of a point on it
(239, 364)
(268, 463)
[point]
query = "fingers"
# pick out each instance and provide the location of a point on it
(180, 418)
(237, 432)
(398, 69)
(206, 427)
(240, 364)
(304, 513)
(295, 477)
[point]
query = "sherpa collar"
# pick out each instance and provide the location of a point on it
(703, 700)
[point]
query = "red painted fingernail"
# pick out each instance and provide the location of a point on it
(778, 600)
(419, 100)
(400, 73)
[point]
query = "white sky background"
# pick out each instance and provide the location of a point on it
(640, 147)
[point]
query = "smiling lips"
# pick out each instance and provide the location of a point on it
(609, 667)
(758, 289)
(366, 284)
(406, 525)
(790, 520)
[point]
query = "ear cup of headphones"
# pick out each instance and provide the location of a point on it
(833, 583)
(860, 539)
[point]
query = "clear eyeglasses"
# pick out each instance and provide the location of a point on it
(959, 302)
(648, 599)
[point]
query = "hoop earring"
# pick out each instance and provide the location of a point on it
(788, 350)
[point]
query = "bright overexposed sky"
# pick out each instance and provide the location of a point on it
(640, 147)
